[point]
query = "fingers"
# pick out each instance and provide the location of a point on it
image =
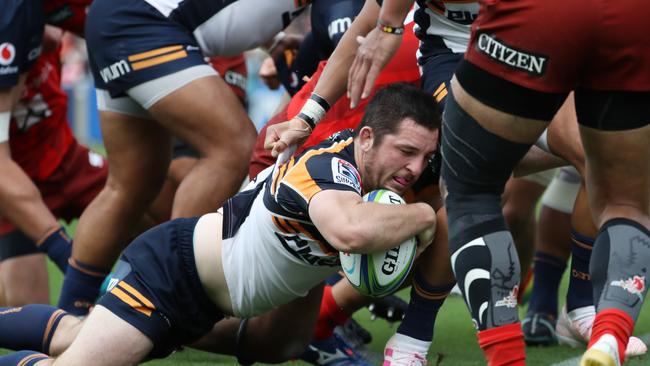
(357, 79)
(278, 147)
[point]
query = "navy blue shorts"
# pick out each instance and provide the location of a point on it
(438, 66)
(156, 288)
(21, 33)
(130, 43)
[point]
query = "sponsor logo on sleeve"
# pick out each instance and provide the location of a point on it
(7, 53)
(344, 172)
(503, 53)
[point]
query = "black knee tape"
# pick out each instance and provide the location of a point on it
(475, 160)
(619, 266)
(242, 358)
(16, 244)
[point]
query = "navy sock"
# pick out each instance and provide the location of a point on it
(548, 274)
(22, 358)
(58, 247)
(29, 327)
(81, 287)
(580, 292)
(423, 308)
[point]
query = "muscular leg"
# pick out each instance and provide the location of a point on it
(618, 183)
(138, 153)
(208, 116)
(160, 209)
(476, 165)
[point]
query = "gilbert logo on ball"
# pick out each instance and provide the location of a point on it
(382, 273)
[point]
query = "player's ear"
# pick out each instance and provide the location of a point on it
(366, 138)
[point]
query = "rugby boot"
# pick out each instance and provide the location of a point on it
(602, 353)
(403, 350)
(574, 329)
(539, 329)
(333, 351)
(390, 308)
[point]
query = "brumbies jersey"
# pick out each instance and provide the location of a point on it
(272, 252)
(228, 27)
(445, 23)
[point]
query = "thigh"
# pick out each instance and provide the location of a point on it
(618, 173)
(138, 152)
(209, 127)
(106, 340)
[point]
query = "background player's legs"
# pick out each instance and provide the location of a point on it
(138, 153)
(24, 280)
(276, 336)
(209, 117)
(106, 340)
(618, 183)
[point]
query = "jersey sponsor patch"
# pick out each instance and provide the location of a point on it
(501, 52)
(7, 53)
(344, 172)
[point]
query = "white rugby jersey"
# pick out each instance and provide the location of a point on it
(271, 251)
(446, 22)
(229, 27)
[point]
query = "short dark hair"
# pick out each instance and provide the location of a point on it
(393, 104)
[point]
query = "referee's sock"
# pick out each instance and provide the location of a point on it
(22, 358)
(81, 287)
(58, 246)
(29, 327)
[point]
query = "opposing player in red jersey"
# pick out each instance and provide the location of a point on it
(57, 178)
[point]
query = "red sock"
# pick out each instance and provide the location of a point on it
(615, 322)
(503, 345)
(329, 317)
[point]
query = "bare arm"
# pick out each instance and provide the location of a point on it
(20, 200)
(376, 50)
(332, 82)
(352, 225)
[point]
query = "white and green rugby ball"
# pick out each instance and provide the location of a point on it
(382, 273)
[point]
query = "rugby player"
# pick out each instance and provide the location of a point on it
(152, 81)
(58, 176)
(41, 155)
(503, 107)
(268, 245)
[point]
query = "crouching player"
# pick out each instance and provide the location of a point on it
(267, 246)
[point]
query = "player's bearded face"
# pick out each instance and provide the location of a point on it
(399, 159)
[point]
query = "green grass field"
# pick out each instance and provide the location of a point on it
(454, 339)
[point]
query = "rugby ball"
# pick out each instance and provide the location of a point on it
(382, 273)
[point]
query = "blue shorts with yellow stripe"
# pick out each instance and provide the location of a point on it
(438, 66)
(156, 288)
(130, 43)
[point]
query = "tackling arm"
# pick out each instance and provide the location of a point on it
(352, 225)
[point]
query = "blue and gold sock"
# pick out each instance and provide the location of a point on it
(423, 308)
(548, 274)
(58, 246)
(22, 358)
(81, 287)
(580, 292)
(29, 327)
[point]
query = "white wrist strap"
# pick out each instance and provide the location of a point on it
(5, 119)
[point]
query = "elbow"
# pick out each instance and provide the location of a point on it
(352, 241)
